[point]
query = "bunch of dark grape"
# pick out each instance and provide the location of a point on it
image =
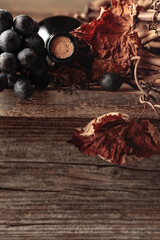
(23, 64)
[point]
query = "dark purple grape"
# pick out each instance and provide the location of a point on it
(23, 25)
(10, 41)
(40, 82)
(8, 62)
(3, 81)
(35, 42)
(6, 20)
(111, 81)
(39, 68)
(27, 57)
(11, 80)
(36, 27)
(23, 88)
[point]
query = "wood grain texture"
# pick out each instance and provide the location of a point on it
(84, 104)
(48, 190)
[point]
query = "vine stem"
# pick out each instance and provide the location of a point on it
(138, 58)
(145, 95)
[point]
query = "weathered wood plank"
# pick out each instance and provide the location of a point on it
(84, 104)
(45, 140)
(69, 201)
(50, 191)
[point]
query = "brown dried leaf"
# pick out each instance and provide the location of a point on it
(111, 37)
(68, 76)
(118, 139)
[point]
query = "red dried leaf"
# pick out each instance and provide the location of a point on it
(118, 139)
(111, 37)
(69, 75)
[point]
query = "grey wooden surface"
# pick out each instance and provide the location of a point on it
(48, 190)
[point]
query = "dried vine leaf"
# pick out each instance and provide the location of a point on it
(118, 139)
(111, 36)
(68, 76)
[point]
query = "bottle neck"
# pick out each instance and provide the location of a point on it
(61, 47)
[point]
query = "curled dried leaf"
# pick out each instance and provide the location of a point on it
(118, 139)
(111, 36)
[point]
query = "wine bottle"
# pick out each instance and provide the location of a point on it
(61, 47)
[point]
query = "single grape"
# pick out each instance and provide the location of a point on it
(40, 82)
(35, 42)
(3, 81)
(27, 57)
(39, 68)
(10, 41)
(23, 88)
(6, 20)
(23, 25)
(11, 80)
(8, 62)
(111, 81)
(36, 27)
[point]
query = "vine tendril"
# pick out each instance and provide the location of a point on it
(146, 96)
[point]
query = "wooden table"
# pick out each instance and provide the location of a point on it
(48, 190)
